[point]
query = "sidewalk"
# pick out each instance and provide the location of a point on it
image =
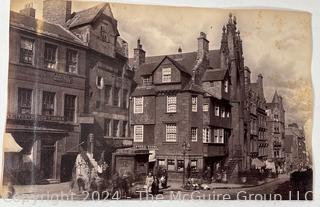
(175, 186)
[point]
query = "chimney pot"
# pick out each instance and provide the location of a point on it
(28, 11)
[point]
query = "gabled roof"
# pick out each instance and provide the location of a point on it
(276, 97)
(185, 61)
(149, 68)
(214, 75)
(90, 15)
(42, 27)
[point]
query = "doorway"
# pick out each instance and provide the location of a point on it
(47, 159)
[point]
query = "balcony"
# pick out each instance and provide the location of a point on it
(214, 150)
(34, 117)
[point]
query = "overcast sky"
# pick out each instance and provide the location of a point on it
(276, 44)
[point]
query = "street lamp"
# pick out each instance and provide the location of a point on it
(185, 147)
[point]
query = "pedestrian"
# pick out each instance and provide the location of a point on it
(165, 180)
(188, 170)
(155, 186)
(149, 181)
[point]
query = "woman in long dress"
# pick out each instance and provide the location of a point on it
(149, 181)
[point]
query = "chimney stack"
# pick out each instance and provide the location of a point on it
(28, 10)
(139, 55)
(260, 80)
(203, 46)
(57, 11)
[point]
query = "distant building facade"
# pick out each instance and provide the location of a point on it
(257, 119)
(276, 130)
(295, 147)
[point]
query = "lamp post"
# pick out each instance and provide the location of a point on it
(185, 147)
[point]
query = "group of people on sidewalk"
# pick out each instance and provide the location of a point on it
(156, 182)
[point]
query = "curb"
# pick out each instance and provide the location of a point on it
(223, 187)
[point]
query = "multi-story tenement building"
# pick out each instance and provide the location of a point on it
(68, 77)
(109, 79)
(46, 95)
(295, 147)
(256, 103)
(183, 104)
(276, 130)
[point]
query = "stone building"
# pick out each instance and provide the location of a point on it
(276, 131)
(46, 88)
(68, 77)
(257, 146)
(187, 108)
(295, 147)
(109, 79)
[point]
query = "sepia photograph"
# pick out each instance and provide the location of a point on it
(114, 101)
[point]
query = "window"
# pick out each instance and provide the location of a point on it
(24, 100)
(104, 33)
(171, 165)
(26, 50)
(107, 94)
(69, 107)
(223, 112)
(171, 104)
(194, 165)
(50, 56)
(138, 105)
(107, 127)
(138, 133)
(99, 82)
(161, 162)
(221, 136)
(276, 117)
(124, 128)
(116, 97)
(125, 99)
(72, 61)
(205, 107)
(115, 131)
(147, 81)
(194, 134)
(226, 86)
(180, 165)
(171, 133)
(166, 75)
(48, 103)
(227, 114)
(216, 111)
(194, 101)
(216, 136)
(206, 135)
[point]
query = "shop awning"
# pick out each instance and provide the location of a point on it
(152, 155)
(10, 144)
(257, 163)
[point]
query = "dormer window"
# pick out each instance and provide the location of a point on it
(104, 33)
(166, 75)
(147, 80)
